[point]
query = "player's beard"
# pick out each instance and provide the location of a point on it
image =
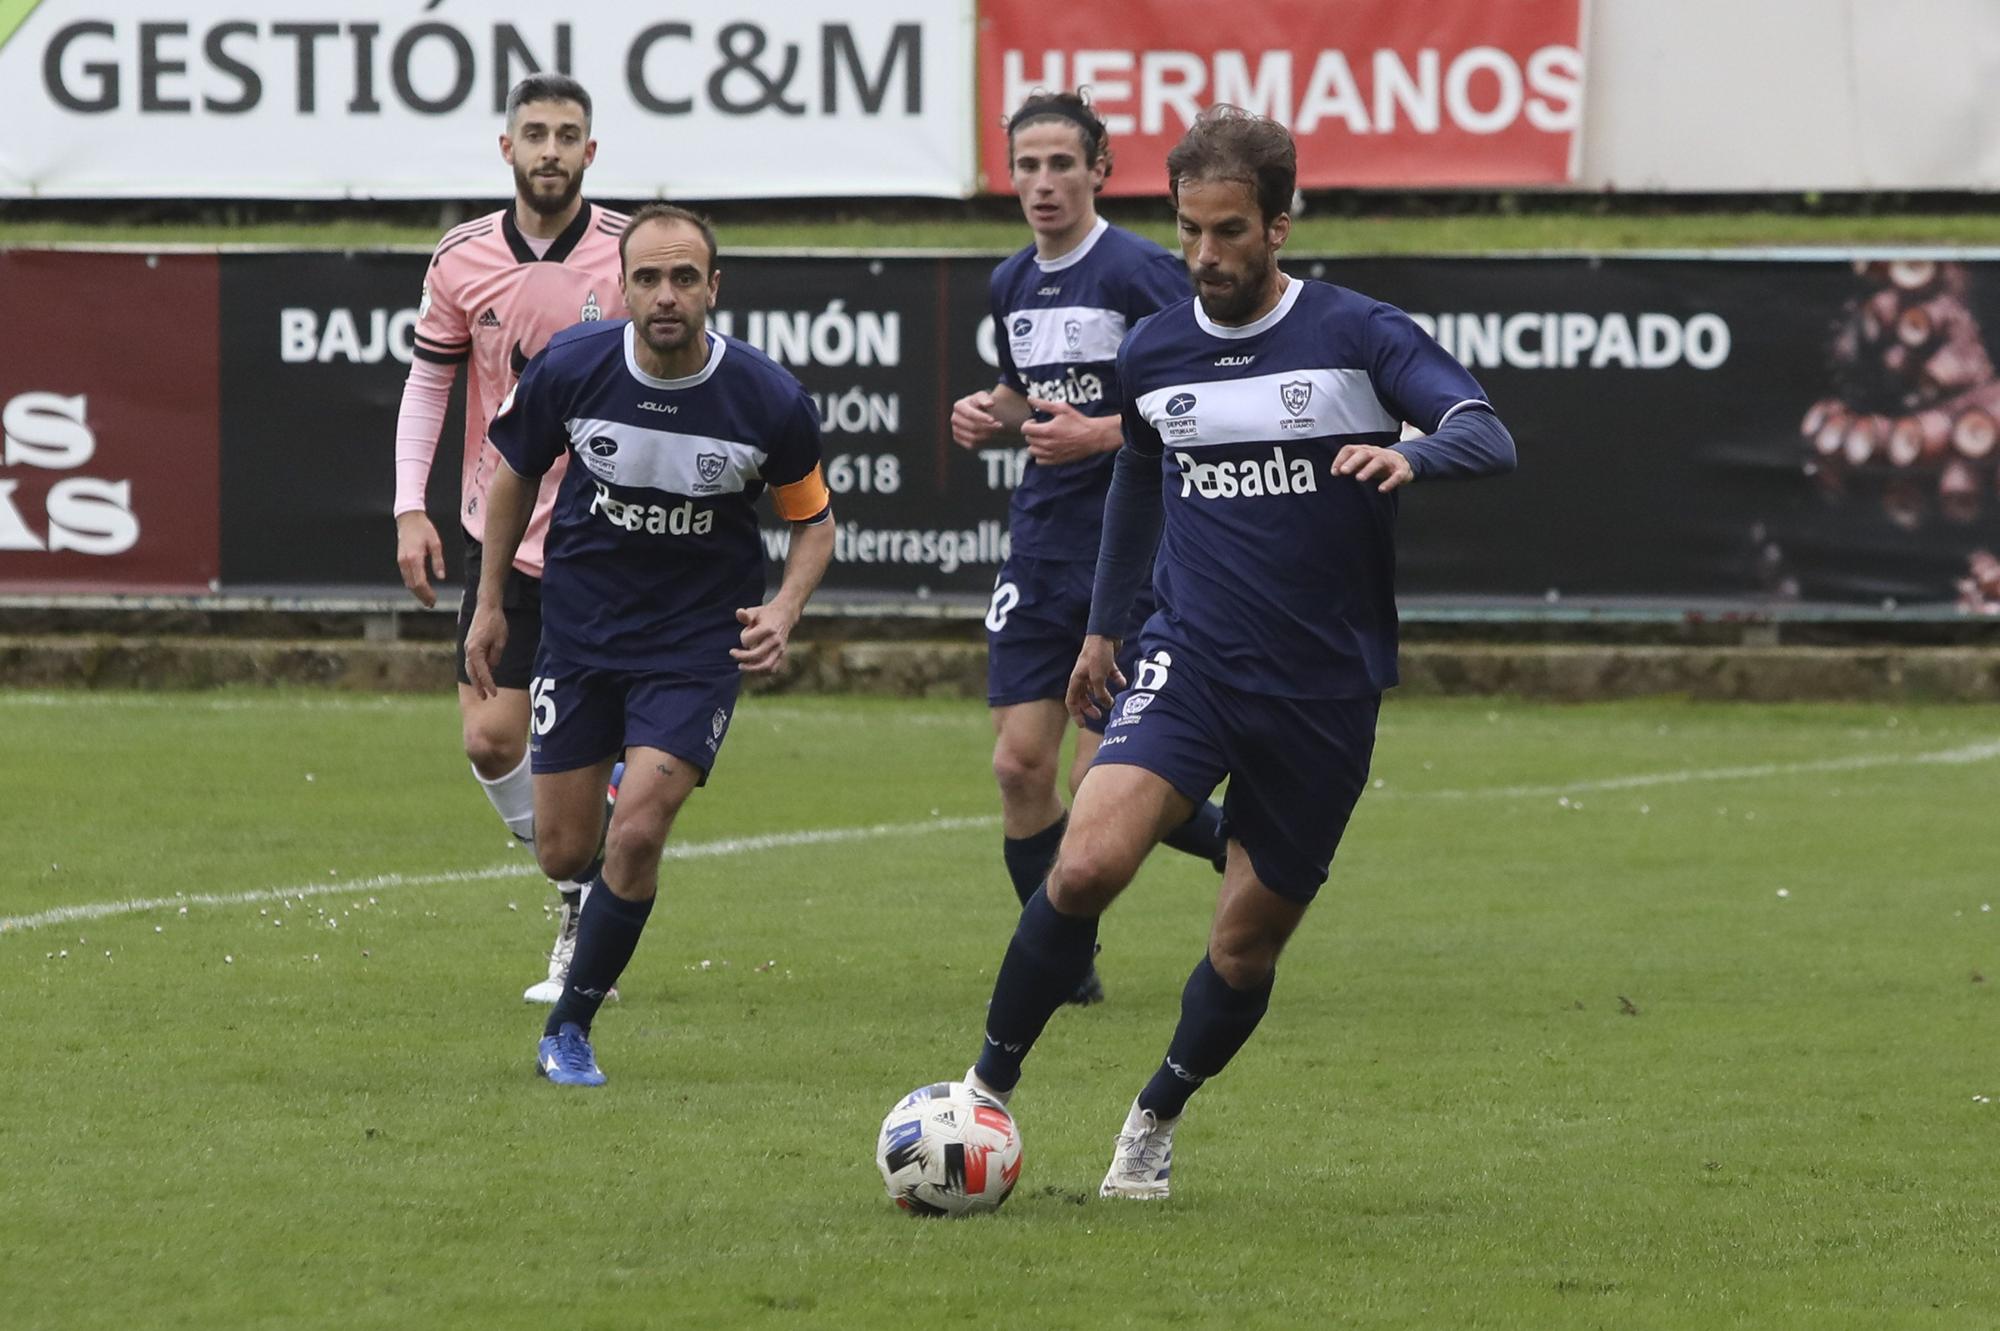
(530, 192)
(1234, 302)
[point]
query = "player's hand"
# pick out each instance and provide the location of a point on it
(1066, 436)
(1094, 680)
(485, 639)
(418, 550)
(972, 420)
(1366, 462)
(767, 631)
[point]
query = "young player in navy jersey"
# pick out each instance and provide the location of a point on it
(1261, 454)
(1060, 308)
(652, 582)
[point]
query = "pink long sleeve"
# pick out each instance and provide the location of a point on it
(419, 421)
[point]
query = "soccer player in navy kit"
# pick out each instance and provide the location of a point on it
(1060, 308)
(652, 582)
(1261, 452)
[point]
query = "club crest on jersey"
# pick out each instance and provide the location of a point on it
(424, 302)
(1295, 395)
(591, 311)
(1072, 334)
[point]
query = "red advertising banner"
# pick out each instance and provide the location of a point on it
(1379, 93)
(109, 421)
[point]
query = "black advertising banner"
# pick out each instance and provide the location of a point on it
(315, 348)
(1757, 430)
(1750, 430)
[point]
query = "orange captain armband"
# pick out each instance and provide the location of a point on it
(802, 500)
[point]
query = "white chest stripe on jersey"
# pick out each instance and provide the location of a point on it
(1260, 409)
(1063, 335)
(682, 464)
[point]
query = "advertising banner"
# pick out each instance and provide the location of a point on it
(108, 422)
(1378, 93)
(1757, 431)
(404, 98)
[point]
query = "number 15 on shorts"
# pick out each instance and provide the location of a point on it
(542, 698)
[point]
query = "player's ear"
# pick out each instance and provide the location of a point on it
(714, 287)
(589, 151)
(1278, 230)
(507, 149)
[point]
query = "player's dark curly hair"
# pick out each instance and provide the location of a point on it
(667, 212)
(547, 88)
(1068, 108)
(1228, 143)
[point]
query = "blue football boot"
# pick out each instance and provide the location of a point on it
(565, 1058)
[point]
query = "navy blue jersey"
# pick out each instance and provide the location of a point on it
(653, 541)
(1057, 325)
(1274, 575)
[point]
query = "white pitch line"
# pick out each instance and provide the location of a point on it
(693, 850)
(1984, 751)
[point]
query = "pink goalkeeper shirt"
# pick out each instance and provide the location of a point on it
(490, 299)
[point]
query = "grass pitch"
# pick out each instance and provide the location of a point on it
(1652, 1015)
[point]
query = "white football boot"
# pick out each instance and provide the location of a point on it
(560, 956)
(549, 990)
(1144, 1157)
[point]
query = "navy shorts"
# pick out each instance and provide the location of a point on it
(1035, 627)
(1296, 766)
(520, 605)
(582, 715)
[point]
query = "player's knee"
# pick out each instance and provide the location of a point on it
(637, 838)
(563, 857)
(1023, 773)
(1087, 877)
(493, 752)
(1243, 965)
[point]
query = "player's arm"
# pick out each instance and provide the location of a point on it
(441, 343)
(977, 417)
(1421, 382)
(510, 503)
(805, 503)
(529, 435)
(1133, 516)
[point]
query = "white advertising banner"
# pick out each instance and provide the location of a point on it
(318, 99)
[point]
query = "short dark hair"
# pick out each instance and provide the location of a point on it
(547, 88)
(1069, 108)
(667, 212)
(1228, 143)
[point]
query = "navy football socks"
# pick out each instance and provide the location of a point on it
(1215, 1021)
(1048, 957)
(1028, 858)
(1201, 836)
(605, 939)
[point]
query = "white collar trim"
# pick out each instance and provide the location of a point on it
(1264, 325)
(1076, 255)
(717, 344)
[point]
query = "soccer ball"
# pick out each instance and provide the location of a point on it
(948, 1150)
